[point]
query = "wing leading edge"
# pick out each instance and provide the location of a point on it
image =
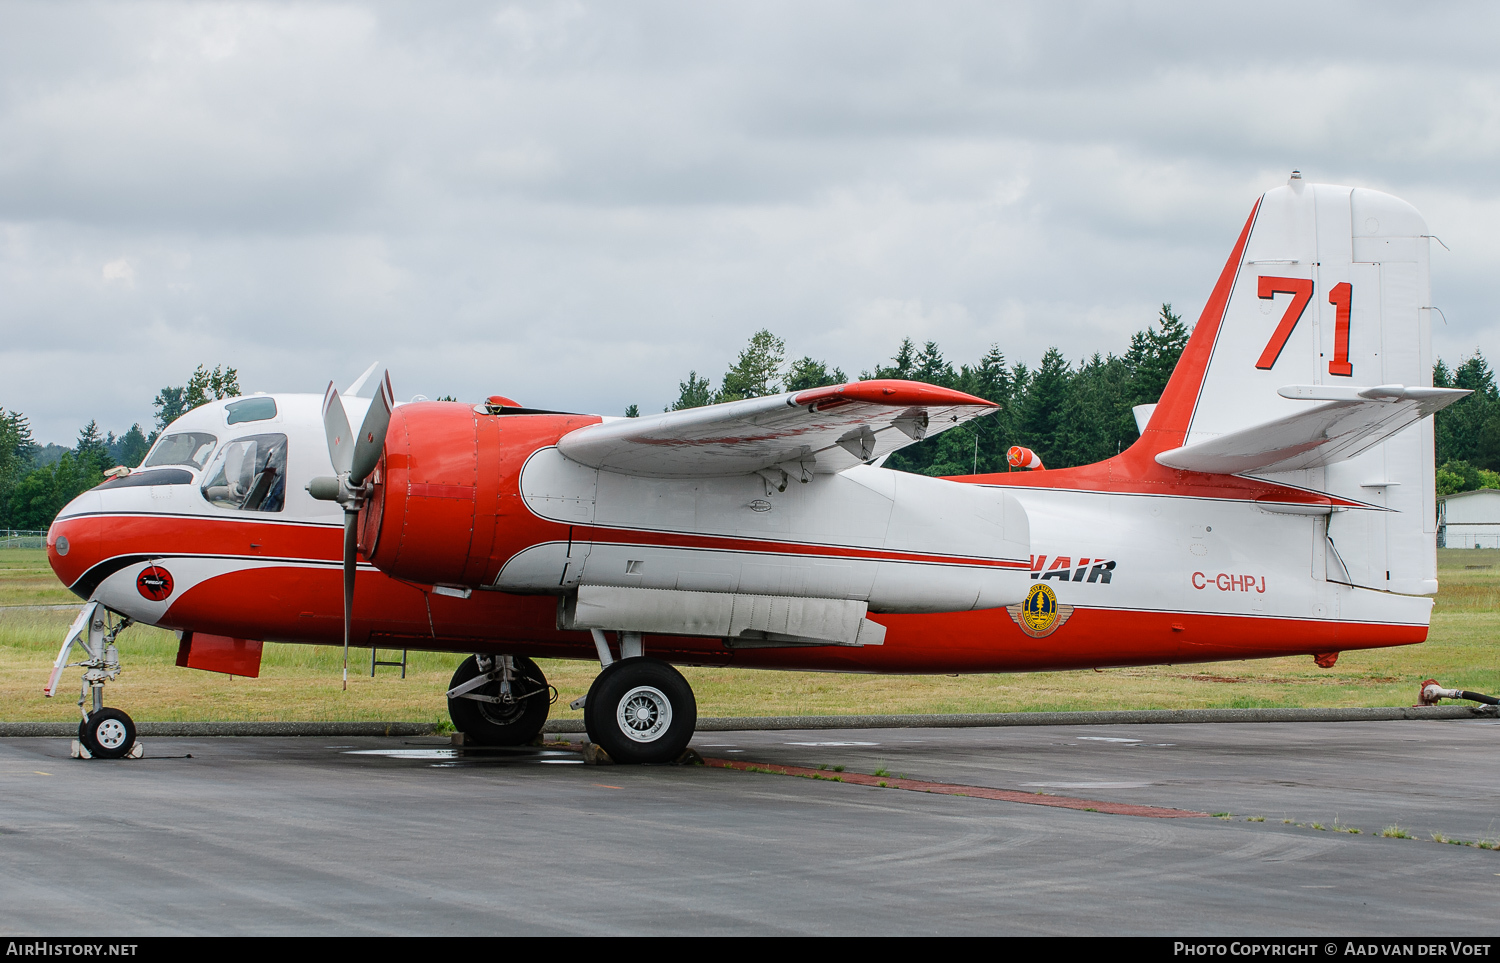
(1351, 422)
(790, 436)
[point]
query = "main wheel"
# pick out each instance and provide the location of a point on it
(107, 734)
(497, 723)
(640, 710)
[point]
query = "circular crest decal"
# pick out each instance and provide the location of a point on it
(1041, 614)
(1039, 610)
(154, 583)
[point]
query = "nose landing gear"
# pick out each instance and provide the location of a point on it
(104, 733)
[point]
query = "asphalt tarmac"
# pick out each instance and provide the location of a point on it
(372, 836)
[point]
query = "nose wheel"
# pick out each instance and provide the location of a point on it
(640, 710)
(107, 734)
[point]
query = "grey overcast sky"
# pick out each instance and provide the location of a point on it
(575, 204)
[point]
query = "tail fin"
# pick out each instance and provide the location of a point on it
(1325, 297)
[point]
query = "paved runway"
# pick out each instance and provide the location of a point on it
(408, 836)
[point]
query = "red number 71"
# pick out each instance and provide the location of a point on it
(1301, 290)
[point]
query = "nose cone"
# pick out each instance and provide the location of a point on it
(73, 543)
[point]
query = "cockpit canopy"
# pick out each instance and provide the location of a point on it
(249, 474)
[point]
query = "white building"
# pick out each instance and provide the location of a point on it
(1469, 519)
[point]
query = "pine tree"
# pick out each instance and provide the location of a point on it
(989, 379)
(692, 393)
(90, 451)
(757, 371)
(931, 368)
(16, 450)
(633, 411)
(1468, 431)
(806, 373)
(132, 447)
(1153, 355)
(904, 361)
(1039, 416)
(1097, 419)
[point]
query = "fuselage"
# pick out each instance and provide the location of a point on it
(1121, 563)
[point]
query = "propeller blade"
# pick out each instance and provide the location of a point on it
(351, 542)
(336, 427)
(371, 441)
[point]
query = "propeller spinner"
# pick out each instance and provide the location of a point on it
(354, 458)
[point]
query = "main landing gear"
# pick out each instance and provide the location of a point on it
(638, 709)
(499, 700)
(104, 733)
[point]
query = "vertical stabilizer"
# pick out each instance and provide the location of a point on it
(1327, 286)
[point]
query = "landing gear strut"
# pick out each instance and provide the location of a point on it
(640, 710)
(104, 732)
(499, 700)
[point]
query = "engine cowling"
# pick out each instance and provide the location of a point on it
(445, 503)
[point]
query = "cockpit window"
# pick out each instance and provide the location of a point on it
(190, 448)
(250, 409)
(249, 474)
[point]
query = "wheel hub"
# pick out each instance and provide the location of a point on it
(110, 734)
(645, 713)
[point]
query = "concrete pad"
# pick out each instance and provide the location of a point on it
(410, 836)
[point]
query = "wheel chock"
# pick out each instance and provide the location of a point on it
(594, 755)
(80, 751)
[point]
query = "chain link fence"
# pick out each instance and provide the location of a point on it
(22, 538)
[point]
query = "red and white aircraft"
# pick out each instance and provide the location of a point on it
(1280, 501)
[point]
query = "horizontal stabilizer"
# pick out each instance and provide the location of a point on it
(1351, 421)
(786, 437)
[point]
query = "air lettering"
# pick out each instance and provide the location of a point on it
(1062, 567)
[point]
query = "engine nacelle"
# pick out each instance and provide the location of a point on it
(445, 506)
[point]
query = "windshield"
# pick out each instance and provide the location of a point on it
(249, 474)
(190, 448)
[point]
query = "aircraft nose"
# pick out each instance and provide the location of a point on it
(72, 547)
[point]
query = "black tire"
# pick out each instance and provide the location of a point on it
(497, 724)
(107, 734)
(640, 710)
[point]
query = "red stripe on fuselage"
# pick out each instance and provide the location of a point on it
(271, 603)
(729, 543)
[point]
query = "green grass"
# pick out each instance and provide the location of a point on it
(302, 682)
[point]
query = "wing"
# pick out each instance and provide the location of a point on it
(1353, 420)
(821, 430)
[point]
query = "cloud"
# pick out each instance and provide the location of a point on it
(574, 204)
(119, 270)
